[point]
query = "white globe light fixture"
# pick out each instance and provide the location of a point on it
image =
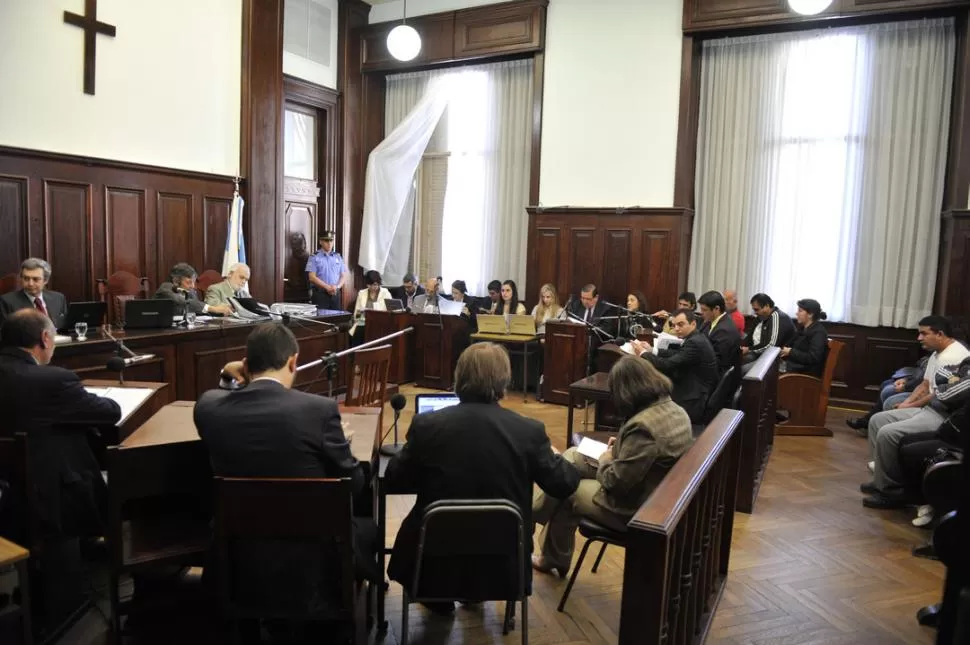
(404, 42)
(809, 7)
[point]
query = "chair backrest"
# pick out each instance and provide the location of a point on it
(463, 531)
(831, 361)
(208, 278)
(9, 282)
(369, 385)
(723, 394)
(118, 289)
(298, 510)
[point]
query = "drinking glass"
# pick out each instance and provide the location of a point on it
(190, 319)
(81, 329)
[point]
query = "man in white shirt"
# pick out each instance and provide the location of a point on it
(920, 412)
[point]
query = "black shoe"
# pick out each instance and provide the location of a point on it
(869, 488)
(859, 423)
(927, 551)
(885, 502)
(440, 608)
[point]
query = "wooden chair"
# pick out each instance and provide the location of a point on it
(13, 555)
(806, 398)
(118, 289)
(464, 531)
(159, 512)
(368, 379)
(250, 510)
(9, 282)
(208, 278)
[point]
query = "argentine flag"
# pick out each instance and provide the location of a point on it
(235, 245)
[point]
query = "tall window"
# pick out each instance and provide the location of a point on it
(821, 157)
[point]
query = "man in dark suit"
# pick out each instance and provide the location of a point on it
(268, 429)
(408, 291)
(721, 330)
(181, 290)
(51, 406)
(692, 366)
(474, 450)
(589, 308)
(34, 275)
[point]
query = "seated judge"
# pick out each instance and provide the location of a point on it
(372, 296)
(408, 290)
(810, 346)
(59, 416)
(509, 304)
(686, 300)
(773, 329)
(620, 481)
(427, 303)
(691, 366)
(232, 287)
(33, 293)
(547, 309)
(268, 429)
(720, 329)
(181, 290)
(490, 304)
(474, 450)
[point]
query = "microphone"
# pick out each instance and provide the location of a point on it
(398, 402)
(120, 345)
(117, 364)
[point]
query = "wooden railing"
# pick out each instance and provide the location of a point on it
(679, 543)
(759, 399)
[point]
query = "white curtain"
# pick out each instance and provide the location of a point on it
(486, 133)
(390, 174)
(821, 160)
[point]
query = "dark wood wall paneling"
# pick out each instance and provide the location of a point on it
(90, 218)
(871, 356)
(617, 250)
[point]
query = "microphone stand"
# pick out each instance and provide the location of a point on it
(629, 313)
(329, 359)
(603, 336)
(119, 345)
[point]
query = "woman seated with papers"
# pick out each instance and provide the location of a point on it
(372, 296)
(619, 476)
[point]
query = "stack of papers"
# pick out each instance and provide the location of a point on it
(129, 398)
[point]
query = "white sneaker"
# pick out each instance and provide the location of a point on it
(922, 520)
(925, 509)
(871, 466)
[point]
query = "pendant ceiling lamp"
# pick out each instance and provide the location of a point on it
(809, 7)
(404, 42)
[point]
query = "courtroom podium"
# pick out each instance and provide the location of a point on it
(564, 360)
(383, 323)
(438, 341)
(161, 395)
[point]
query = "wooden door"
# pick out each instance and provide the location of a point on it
(301, 196)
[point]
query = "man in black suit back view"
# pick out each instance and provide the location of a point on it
(268, 429)
(474, 450)
(33, 294)
(57, 414)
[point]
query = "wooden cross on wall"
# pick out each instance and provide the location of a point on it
(92, 27)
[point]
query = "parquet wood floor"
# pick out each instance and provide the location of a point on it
(811, 566)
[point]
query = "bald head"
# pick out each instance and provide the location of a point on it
(730, 300)
(31, 331)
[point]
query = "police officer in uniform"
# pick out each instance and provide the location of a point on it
(327, 273)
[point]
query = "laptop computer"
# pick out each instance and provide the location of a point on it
(492, 324)
(149, 314)
(394, 304)
(431, 402)
(91, 313)
(522, 325)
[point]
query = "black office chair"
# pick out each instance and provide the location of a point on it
(593, 532)
(723, 394)
(490, 531)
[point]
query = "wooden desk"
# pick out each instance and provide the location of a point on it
(592, 388)
(527, 344)
(15, 555)
(564, 360)
(190, 360)
(162, 396)
(438, 340)
(384, 323)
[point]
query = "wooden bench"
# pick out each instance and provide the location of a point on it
(759, 398)
(806, 398)
(679, 543)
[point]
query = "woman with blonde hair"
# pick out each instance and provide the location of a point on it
(615, 485)
(547, 308)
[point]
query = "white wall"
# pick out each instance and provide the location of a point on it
(168, 85)
(611, 102)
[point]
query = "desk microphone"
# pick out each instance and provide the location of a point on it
(398, 402)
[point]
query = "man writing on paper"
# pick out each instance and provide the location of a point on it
(51, 406)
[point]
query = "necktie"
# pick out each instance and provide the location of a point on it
(40, 306)
(588, 316)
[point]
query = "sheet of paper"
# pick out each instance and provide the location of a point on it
(128, 398)
(58, 338)
(591, 448)
(664, 340)
(628, 348)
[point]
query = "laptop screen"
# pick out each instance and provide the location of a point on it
(432, 402)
